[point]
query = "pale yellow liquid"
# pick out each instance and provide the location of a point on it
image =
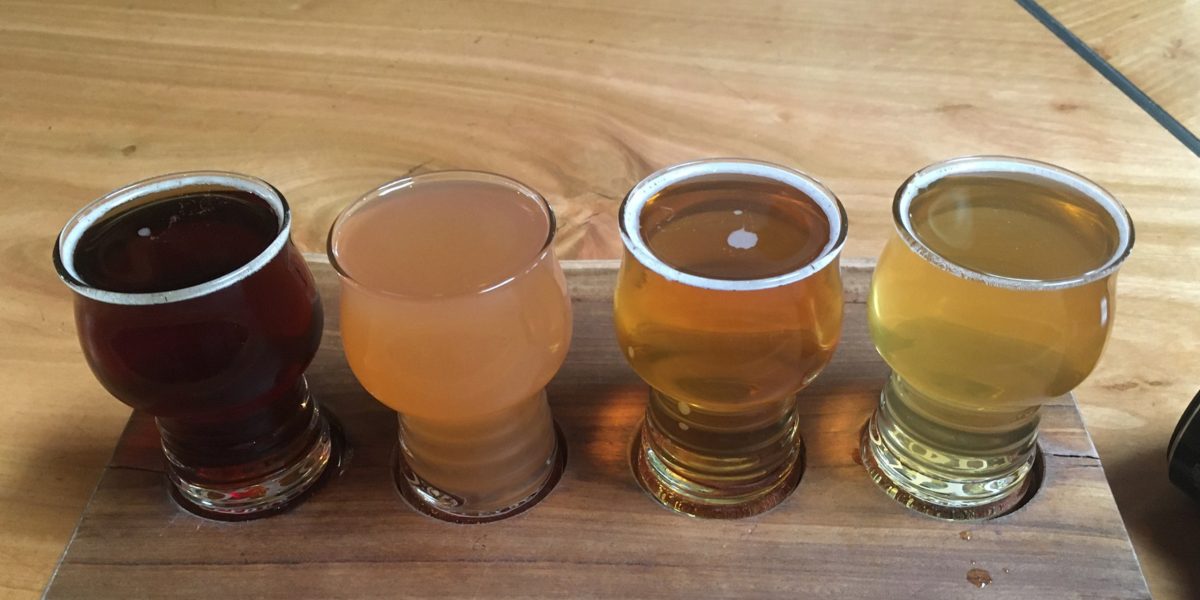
(456, 320)
(972, 362)
(986, 347)
(725, 365)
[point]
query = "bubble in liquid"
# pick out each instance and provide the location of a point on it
(742, 239)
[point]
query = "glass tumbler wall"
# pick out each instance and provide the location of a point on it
(995, 295)
(192, 305)
(728, 302)
(455, 313)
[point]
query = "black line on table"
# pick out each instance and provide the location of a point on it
(1115, 77)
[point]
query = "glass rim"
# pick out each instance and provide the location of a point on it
(630, 213)
(168, 186)
(998, 164)
(487, 177)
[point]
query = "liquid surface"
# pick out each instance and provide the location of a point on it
(175, 243)
(1014, 228)
(734, 230)
(442, 239)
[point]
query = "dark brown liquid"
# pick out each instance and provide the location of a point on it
(735, 229)
(220, 371)
(175, 243)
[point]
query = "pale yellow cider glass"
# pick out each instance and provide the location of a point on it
(995, 295)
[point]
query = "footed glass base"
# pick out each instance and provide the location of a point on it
(428, 499)
(942, 495)
(273, 493)
(677, 493)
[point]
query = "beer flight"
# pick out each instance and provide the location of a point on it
(994, 295)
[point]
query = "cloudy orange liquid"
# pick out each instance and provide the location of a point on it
(456, 317)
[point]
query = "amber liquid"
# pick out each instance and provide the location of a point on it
(972, 362)
(457, 322)
(724, 366)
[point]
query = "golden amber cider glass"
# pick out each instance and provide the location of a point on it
(728, 303)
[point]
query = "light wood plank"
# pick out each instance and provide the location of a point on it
(1155, 43)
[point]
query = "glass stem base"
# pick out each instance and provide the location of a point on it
(946, 462)
(430, 500)
(483, 467)
(700, 471)
(274, 492)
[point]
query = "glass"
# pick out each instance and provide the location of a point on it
(455, 313)
(192, 305)
(728, 303)
(995, 295)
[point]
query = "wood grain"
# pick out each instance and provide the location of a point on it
(598, 534)
(1155, 43)
(579, 100)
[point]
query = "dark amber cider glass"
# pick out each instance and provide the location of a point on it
(192, 305)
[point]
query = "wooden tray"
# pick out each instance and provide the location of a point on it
(597, 534)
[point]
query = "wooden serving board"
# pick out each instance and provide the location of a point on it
(598, 534)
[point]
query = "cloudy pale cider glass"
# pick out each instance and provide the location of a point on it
(728, 302)
(455, 313)
(995, 295)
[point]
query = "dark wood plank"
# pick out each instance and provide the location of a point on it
(597, 535)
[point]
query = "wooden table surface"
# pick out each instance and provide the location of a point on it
(580, 100)
(1155, 43)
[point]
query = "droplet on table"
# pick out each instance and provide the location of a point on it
(979, 578)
